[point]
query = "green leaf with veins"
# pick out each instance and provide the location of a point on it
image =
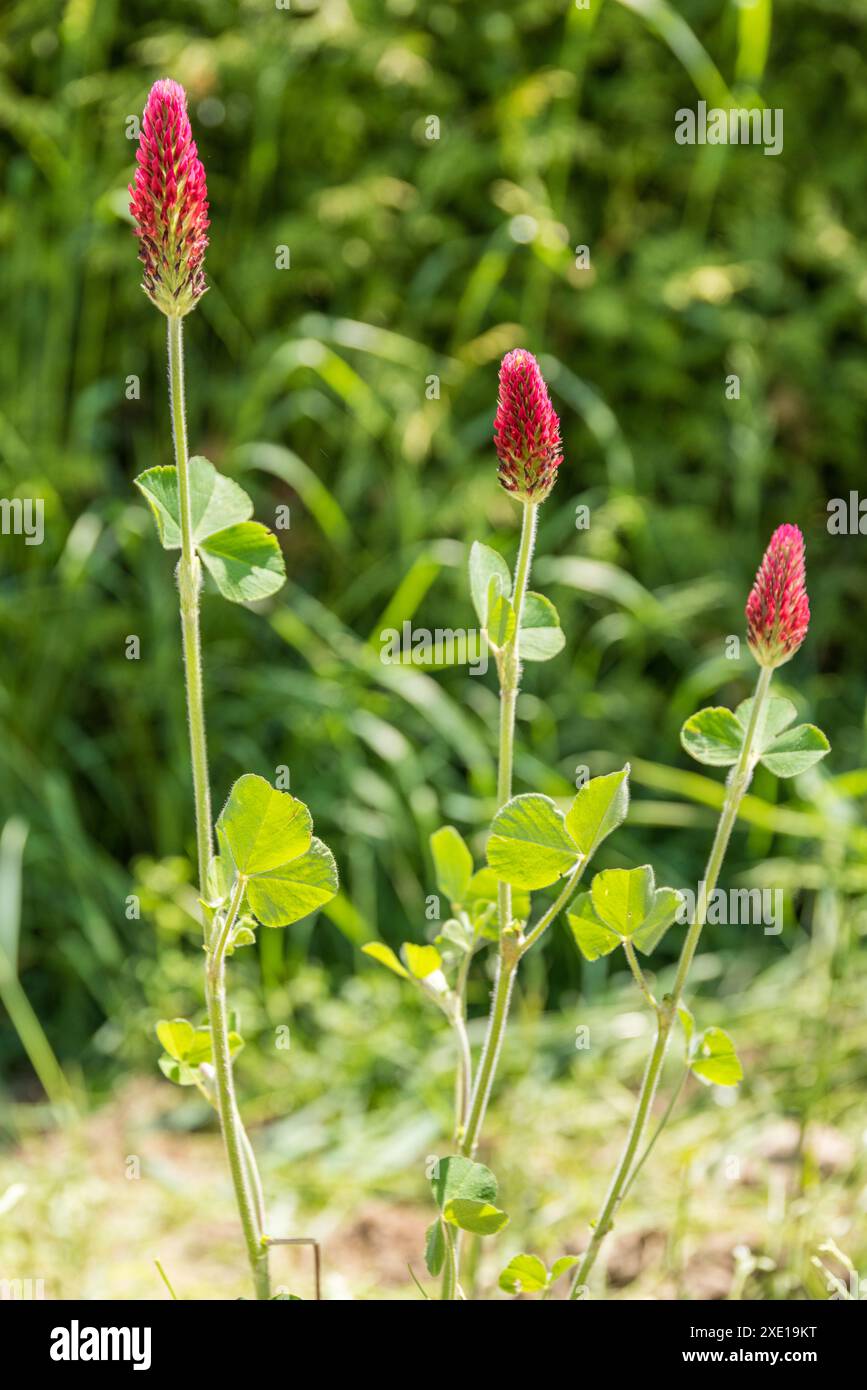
(268, 835)
(377, 950)
(501, 621)
(600, 806)
(480, 1218)
(715, 1061)
(541, 637)
(560, 1266)
(623, 904)
(188, 1046)
(434, 1248)
(495, 593)
(453, 863)
(244, 934)
(784, 754)
(528, 844)
(215, 502)
(456, 1176)
(422, 960)
(795, 750)
(592, 937)
(294, 890)
(263, 827)
(245, 562)
(713, 736)
(456, 933)
(243, 557)
(177, 1072)
(202, 1050)
(209, 911)
(177, 1036)
(528, 1274)
(687, 1023)
(623, 898)
(777, 715)
(524, 1274)
(663, 912)
(486, 564)
(221, 873)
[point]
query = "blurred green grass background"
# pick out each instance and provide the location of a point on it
(411, 259)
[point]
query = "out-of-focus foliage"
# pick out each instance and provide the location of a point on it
(358, 387)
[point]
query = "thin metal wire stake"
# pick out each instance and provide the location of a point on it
(317, 1255)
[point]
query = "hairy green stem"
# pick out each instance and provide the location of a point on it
(189, 584)
(254, 1180)
(500, 1001)
(463, 1091)
(242, 1163)
(237, 1145)
(666, 1012)
(450, 1268)
(511, 945)
(464, 1069)
(649, 1146)
(463, 1076)
(512, 951)
(510, 680)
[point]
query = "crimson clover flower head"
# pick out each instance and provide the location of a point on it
(169, 202)
(526, 429)
(778, 609)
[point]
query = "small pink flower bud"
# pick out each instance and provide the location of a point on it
(778, 609)
(526, 429)
(169, 202)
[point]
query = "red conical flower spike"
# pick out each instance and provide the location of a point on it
(526, 429)
(169, 202)
(778, 609)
